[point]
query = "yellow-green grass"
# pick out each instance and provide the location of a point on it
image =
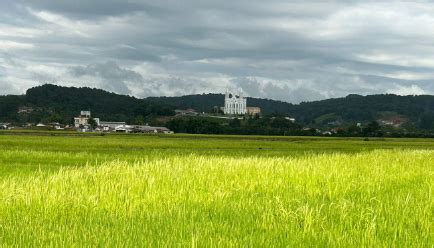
(171, 198)
(24, 154)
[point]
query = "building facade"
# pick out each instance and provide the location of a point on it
(253, 110)
(111, 125)
(235, 105)
(83, 119)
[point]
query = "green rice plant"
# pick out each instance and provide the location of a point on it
(25, 154)
(369, 199)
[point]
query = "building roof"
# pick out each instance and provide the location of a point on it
(112, 122)
(149, 128)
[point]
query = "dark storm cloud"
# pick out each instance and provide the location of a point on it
(114, 78)
(286, 50)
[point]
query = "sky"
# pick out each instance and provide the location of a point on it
(285, 50)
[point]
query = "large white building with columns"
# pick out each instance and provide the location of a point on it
(235, 105)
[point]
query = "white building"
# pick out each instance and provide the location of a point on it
(4, 126)
(83, 119)
(142, 129)
(290, 119)
(235, 105)
(111, 125)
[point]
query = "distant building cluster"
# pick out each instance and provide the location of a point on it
(83, 123)
(141, 129)
(25, 110)
(186, 112)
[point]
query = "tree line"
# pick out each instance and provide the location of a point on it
(51, 103)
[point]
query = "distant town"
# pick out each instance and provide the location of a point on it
(235, 106)
(56, 108)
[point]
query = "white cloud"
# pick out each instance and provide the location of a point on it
(13, 31)
(397, 58)
(407, 90)
(8, 46)
(58, 23)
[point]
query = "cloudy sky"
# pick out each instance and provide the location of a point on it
(286, 50)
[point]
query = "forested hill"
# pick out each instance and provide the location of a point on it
(418, 110)
(51, 103)
(61, 104)
(365, 108)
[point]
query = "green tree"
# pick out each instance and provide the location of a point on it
(92, 123)
(139, 120)
(235, 123)
(427, 121)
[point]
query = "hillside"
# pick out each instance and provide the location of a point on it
(418, 110)
(50, 103)
(356, 108)
(61, 104)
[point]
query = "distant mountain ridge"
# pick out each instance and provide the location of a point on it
(353, 108)
(57, 103)
(51, 103)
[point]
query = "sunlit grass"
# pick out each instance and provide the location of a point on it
(376, 198)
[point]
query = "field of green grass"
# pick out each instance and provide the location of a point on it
(199, 190)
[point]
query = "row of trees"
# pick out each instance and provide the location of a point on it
(374, 129)
(252, 126)
(272, 125)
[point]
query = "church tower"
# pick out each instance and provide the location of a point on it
(235, 105)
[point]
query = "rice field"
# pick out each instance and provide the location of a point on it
(201, 191)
